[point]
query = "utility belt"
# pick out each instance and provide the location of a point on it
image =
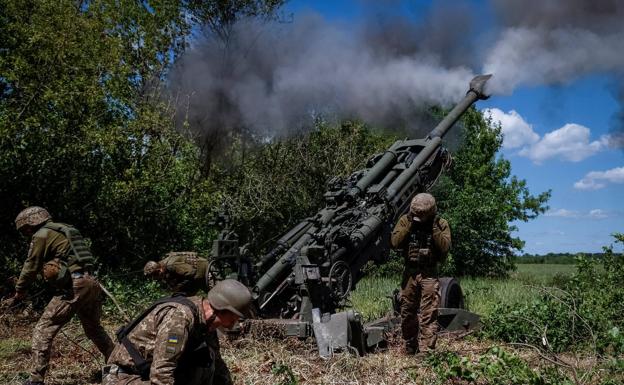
(57, 273)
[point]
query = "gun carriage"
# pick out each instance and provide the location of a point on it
(306, 278)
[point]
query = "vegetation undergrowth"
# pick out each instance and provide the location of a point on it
(495, 366)
(584, 312)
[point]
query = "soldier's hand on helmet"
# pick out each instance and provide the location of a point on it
(425, 253)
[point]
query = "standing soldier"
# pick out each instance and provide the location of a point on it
(59, 253)
(425, 240)
(175, 340)
(183, 271)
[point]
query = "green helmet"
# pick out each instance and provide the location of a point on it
(231, 295)
(32, 216)
(423, 207)
(150, 268)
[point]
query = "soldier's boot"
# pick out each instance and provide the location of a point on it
(410, 347)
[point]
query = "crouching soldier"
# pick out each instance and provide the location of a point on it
(184, 272)
(425, 240)
(175, 340)
(59, 253)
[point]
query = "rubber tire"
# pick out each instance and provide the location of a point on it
(451, 294)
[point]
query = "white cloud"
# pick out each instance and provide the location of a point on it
(598, 214)
(596, 180)
(562, 213)
(574, 214)
(570, 142)
(516, 131)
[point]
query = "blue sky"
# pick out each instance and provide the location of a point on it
(559, 137)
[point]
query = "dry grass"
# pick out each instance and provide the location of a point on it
(75, 360)
(263, 362)
(288, 361)
(251, 361)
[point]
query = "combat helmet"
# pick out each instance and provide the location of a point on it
(150, 268)
(231, 295)
(32, 216)
(423, 207)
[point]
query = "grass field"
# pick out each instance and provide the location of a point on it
(481, 294)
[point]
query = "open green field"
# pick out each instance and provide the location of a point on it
(481, 294)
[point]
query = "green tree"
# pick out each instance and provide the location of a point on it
(270, 187)
(481, 198)
(85, 129)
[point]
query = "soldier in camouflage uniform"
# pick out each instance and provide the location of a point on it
(59, 253)
(175, 340)
(425, 240)
(183, 271)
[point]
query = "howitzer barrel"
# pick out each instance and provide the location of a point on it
(476, 92)
(397, 189)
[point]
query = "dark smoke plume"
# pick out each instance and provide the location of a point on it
(270, 80)
(556, 42)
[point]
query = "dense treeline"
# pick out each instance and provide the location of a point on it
(557, 258)
(88, 130)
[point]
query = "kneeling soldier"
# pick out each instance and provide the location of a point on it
(425, 239)
(184, 272)
(175, 340)
(59, 253)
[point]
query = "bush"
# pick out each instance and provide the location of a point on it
(496, 366)
(585, 312)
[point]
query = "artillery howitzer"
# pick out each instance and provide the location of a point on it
(307, 277)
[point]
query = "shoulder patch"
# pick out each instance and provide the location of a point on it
(173, 347)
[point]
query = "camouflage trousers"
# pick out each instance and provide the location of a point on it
(85, 300)
(203, 376)
(420, 299)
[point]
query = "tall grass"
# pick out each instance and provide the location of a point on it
(370, 298)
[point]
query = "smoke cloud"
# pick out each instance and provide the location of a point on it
(555, 42)
(272, 79)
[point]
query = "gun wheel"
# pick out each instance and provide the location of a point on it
(340, 280)
(213, 274)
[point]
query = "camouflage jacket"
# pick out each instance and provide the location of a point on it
(45, 245)
(440, 235)
(185, 272)
(164, 338)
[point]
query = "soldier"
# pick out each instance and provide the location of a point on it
(175, 340)
(59, 253)
(183, 271)
(425, 240)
